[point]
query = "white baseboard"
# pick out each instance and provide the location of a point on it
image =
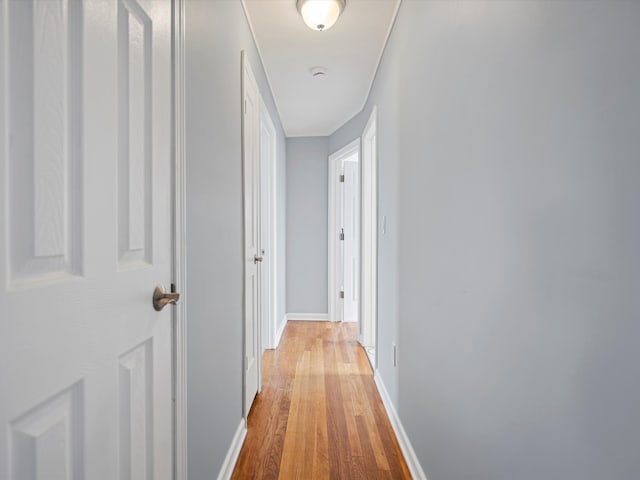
(280, 331)
(312, 317)
(405, 445)
(234, 450)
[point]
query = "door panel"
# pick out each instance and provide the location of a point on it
(85, 156)
(48, 440)
(136, 409)
(43, 114)
(134, 134)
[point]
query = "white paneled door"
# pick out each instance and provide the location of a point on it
(85, 236)
(351, 242)
(252, 254)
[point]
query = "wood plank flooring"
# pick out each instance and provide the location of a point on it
(319, 414)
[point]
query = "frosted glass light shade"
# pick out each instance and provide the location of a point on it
(320, 14)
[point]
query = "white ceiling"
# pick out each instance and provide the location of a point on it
(350, 51)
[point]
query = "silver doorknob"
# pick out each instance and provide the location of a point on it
(161, 298)
(257, 258)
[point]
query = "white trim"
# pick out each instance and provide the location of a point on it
(179, 273)
(350, 148)
(280, 331)
(312, 317)
(405, 445)
(234, 451)
(335, 159)
(368, 335)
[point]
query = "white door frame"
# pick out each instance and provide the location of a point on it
(179, 273)
(268, 293)
(334, 220)
(368, 331)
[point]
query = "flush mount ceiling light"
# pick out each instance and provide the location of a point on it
(320, 14)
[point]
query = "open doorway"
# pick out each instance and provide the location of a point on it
(353, 236)
(344, 234)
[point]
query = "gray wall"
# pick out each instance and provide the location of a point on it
(307, 169)
(511, 134)
(216, 32)
(384, 94)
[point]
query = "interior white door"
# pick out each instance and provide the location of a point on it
(336, 250)
(351, 243)
(335, 223)
(253, 257)
(85, 236)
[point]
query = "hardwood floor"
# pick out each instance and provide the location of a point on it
(319, 414)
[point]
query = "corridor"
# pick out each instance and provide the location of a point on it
(319, 414)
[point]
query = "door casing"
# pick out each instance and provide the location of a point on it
(369, 236)
(179, 273)
(335, 264)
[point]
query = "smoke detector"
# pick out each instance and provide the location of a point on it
(317, 72)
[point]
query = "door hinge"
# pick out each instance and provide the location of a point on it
(245, 107)
(341, 293)
(341, 178)
(342, 234)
